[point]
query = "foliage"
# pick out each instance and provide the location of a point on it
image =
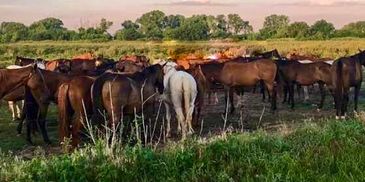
(332, 151)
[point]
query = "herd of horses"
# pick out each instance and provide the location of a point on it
(102, 90)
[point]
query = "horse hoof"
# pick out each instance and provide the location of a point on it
(343, 117)
(356, 114)
(318, 110)
(337, 118)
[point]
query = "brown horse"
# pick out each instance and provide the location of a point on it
(129, 66)
(235, 74)
(124, 94)
(268, 55)
(140, 60)
(346, 72)
(74, 107)
(36, 109)
(296, 73)
(197, 73)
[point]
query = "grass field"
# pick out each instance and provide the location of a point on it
(257, 145)
(52, 50)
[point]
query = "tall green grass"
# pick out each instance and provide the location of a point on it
(328, 151)
(114, 49)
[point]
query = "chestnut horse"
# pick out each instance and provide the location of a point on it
(124, 94)
(305, 74)
(129, 66)
(235, 74)
(74, 107)
(346, 72)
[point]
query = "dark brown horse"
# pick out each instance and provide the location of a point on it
(346, 72)
(74, 107)
(36, 109)
(305, 74)
(235, 75)
(22, 61)
(268, 55)
(120, 94)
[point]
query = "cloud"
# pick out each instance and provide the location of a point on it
(325, 3)
(195, 3)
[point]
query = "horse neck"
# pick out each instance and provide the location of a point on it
(54, 79)
(12, 78)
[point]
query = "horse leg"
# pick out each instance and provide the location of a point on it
(189, 100)
(42, 123)
(271, 87)
(12, 109)
(306, 93)
(344, 104)
(76, 127)
(323, 95)
(168, 119)
(291, 95)
(262, 90)
(356, 96)
(285, 90)
(231, 90)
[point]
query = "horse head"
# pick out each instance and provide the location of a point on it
(156, 73)
(361, 55)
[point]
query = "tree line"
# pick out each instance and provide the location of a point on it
(156, 25)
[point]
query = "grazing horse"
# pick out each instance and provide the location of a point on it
(235, 74)
(34, 105)
(346, 72)
(180, 91)
(126, 94)
(74, 107)
(305, 74)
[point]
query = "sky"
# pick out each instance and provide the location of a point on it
(76, 13)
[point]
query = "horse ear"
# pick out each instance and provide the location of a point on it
(360, 50)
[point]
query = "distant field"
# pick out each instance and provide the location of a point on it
(114, 49)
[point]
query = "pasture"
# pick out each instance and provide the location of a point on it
(253, 144)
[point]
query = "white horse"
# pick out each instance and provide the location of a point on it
(180, 91)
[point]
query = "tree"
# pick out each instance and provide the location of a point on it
(298, 30)
(13, 31)
(129, 31)
(47, 29)
(194, 28)
(96, 33)
(322, 29)
(104, 25)
(356, 29)
(152, 24)
(275, 26)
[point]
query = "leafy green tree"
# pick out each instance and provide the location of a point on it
(298, 30)
(128, 32)
(356, 29)
(96, 33)
(194, 28)
(152, 24)
(47, 29)
(275, 26)
(322, 29)
(13, 31)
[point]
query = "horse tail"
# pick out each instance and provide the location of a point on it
(96, 97)
(339, 83)
(64, 116)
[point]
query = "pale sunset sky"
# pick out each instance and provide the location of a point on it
(76, 13)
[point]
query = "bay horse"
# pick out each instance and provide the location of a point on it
(346, 72)
(74, 107)
(124, 94)
(35, 109)
(235, 74)
(129, 66)
(181, 92)
(305, 74)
